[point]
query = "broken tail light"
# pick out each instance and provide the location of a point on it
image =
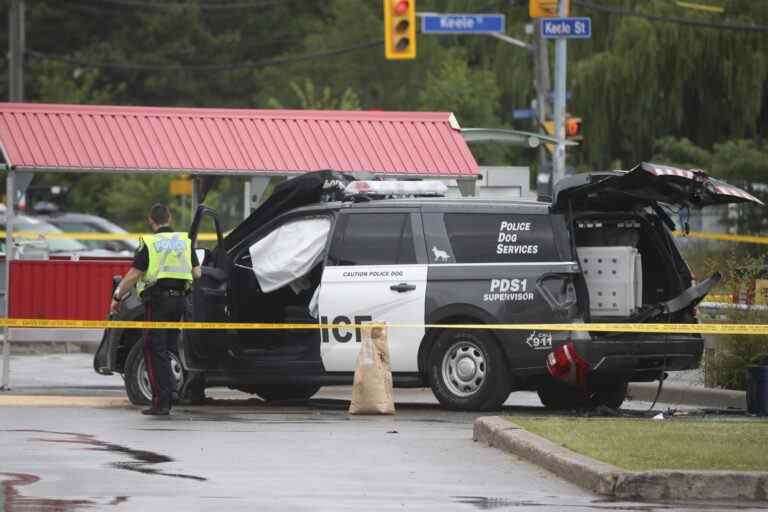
(565, 364)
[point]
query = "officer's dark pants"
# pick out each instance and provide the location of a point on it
(161, 307)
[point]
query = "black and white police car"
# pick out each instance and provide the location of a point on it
(600, 252)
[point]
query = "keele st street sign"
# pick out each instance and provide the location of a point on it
(571, 28)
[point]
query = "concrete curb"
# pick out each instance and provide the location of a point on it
(612, 481)
(689, 395)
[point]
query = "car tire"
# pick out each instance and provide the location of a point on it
(137, 384)
(560, 396)
(193, 391)
(467, 371)
(611, 395)
(292, 393)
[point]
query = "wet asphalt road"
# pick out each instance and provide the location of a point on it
(235, 457)
(239, 454)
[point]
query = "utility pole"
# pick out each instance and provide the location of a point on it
(16, 47)
(561, 54)
(542, 87)
(15, 93)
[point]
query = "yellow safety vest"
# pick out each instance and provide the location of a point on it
(170, 257)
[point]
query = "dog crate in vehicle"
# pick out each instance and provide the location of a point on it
(614, 277)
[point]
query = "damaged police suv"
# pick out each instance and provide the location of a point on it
(326, 249)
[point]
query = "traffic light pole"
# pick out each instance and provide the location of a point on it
(542, 86)
(16, 50)
(561, 53)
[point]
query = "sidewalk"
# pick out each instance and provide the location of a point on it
(687, 388)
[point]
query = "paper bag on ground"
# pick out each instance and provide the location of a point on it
(372, 387)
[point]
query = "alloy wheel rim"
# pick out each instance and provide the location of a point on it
(146, 388)
(464, 368)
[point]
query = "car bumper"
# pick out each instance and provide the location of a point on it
(640, 358)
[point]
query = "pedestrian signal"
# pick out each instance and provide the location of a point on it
(400, 29)
(573, 127)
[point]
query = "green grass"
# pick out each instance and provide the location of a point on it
(644, 444)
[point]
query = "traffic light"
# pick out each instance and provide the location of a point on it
(400, 29)
(546, 8)
(573, 127)
(549, 128)
(572, 130)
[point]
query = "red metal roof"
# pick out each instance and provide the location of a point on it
(231, 141)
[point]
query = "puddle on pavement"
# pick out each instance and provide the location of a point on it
(143, 460)
(12, 499)
(488, 503)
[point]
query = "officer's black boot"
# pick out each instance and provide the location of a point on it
(157, 411)
(161, 407)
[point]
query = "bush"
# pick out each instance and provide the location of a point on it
(724, 365)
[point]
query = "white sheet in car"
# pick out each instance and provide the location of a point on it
(289, 252)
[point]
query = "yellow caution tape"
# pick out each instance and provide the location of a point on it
(60, 235)
(747, 329)
(57, 235)
(725, 298)
(709, 235)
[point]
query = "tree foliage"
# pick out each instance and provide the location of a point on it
(642, 87)
(643, 80)
(309, 97)
(740, 162)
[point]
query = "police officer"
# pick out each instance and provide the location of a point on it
(163, 268)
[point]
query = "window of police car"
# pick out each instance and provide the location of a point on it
(289, 252)
(373, 239)
(489, 238)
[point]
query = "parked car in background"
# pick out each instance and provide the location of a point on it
(86, 223)
(43, 243)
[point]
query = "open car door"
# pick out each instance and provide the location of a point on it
(645, 185)
(199, 349)
(597, 196)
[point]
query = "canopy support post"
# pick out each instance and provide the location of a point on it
(255, 187)
(467, 186)
(10, 195)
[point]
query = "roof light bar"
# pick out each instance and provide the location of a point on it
(396, 188)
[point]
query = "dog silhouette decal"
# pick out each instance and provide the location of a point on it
(440, 255)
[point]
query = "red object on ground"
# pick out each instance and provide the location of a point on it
(63, 290)
(118, 139)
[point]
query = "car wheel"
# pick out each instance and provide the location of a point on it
(560, 396)
(609, 395)
(136, 378)
(467, 371)
(293, 393)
